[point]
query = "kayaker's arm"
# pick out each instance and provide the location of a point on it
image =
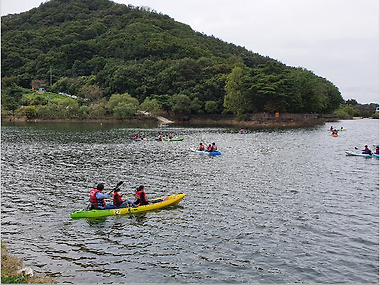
(102, 196)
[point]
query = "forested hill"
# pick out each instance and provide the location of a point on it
(82, 45)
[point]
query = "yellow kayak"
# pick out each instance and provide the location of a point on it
(170, 201)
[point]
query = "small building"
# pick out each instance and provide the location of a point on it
(183, 119)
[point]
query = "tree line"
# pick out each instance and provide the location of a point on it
(99, 49)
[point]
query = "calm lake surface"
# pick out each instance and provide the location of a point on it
(278, 206)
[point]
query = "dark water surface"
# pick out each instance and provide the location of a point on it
(278, 206)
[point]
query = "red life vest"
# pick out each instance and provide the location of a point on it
(201, 147)
(209, 148)
(117, 199)
(214, 148)
(95, 201)
(141, 197)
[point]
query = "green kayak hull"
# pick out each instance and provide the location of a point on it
(173, 140)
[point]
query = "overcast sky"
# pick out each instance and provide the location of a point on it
(336, 39)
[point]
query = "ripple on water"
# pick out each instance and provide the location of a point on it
(278, 206)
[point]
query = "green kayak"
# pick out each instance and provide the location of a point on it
(173, 140)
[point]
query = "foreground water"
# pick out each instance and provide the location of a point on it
(278, 206)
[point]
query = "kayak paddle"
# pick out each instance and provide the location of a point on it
(117, 186)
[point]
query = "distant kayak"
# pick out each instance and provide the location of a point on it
(213, 153)
(360, 154)
(156, 139)
(170, 201)
(173, 140)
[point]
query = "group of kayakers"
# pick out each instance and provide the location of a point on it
(334, 132)
(332, 129)
(159, 137)
(97, 198)
(366, 150)
(211, 147)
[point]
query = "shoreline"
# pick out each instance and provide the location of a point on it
(262, 123)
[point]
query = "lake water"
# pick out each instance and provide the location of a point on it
(278, 206)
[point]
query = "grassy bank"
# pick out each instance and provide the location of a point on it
(13, 271)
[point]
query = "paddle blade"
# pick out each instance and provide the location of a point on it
(117, 186)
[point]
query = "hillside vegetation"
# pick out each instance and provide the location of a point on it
(99, 50)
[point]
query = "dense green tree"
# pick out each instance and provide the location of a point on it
(150, 105)
(30, 111)
(69, 107)
(180, 104)
(196, 106)
(234, 100)
(125, 98)
(91, 92)
(163, 101)
(211, 107)
(11, 96)
(124, 110)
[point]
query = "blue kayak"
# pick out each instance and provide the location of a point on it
(213, 153)
(360, 154)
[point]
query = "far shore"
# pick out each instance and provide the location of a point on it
(263, 123)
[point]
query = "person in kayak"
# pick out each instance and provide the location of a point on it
(366, 150)
(214, 147)
(209, 148)
(170, 136)
(97, 198)
(377, 150)
(159, 137)
(141, 197)
(136, 137)
(119, 202)
(201, 147)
